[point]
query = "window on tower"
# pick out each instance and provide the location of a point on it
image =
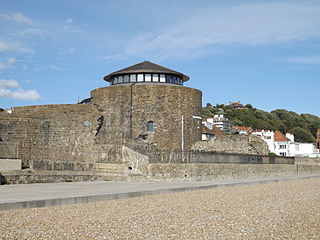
(150, 126)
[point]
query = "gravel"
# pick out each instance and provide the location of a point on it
(285, 210)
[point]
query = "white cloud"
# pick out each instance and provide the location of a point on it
(21, 94)
(4, 84)
(31, 31)
(50, 67)
(53, 67)
(7, 64)
(250, 24)
(69, 21)
(71, 29)
(17, 17)
(306, 60)
(70, 50)
(5, 46)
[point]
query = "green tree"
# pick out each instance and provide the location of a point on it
(302, 135)
(304, 125)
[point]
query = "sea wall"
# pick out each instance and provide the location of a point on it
(226, 171)
(167, 172)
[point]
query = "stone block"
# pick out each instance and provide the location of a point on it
(10, 164)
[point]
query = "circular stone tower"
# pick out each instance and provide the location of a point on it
(147, 107)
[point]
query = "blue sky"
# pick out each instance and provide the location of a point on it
(266, 53)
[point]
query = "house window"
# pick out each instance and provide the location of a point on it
(283, 146)
(150, 126)
(297, 147)
(283, 154)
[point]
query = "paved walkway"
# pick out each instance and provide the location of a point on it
(51, 194)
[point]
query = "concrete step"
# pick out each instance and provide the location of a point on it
(10, 164)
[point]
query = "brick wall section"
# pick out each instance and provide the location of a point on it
(128, 108)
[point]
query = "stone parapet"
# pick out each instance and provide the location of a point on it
(166, 172)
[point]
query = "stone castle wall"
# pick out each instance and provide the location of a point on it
(77, 136)
(127, 109)
(54, 137)
(239, 144)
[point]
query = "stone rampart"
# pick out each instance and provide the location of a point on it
(307, 161)
(232, 158)
(55, 137)
(166, 172)
(127, 109)
(226, 171)
(234, 144)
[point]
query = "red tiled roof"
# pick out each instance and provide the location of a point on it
(242, 128)
(279, 137)
(318, 132)
(214, 131)
(206, 130)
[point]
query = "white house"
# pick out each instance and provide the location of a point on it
(284, 145)
(209, 130)
(303, 149)
(242, 130)
(267, 136)
(224, 124)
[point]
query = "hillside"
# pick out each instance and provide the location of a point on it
(303, 126)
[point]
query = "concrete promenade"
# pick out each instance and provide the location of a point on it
(52, 194)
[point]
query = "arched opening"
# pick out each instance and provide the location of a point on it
(150, 126)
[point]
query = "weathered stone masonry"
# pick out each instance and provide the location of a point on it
(130, 130)
(128, 108)
(80, 136)
(54, 137)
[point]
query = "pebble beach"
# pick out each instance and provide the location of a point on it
(285, 210)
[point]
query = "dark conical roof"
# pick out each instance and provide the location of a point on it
(146, 67)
